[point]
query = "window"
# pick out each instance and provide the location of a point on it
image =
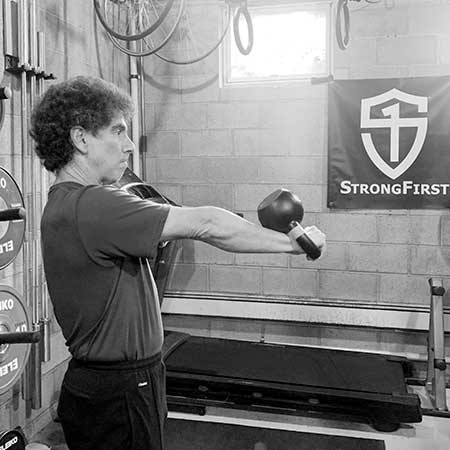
(291, 42)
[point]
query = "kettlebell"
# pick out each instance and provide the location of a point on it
(283, 211)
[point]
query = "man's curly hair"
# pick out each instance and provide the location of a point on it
(88, 102)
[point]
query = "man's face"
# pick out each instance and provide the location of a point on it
(109, 151)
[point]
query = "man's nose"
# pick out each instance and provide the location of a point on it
(129, 145)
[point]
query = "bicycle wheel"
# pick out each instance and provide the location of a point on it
(196, 36)
(131, 20)
(156, 40)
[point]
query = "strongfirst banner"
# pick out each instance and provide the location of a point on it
(389, 143)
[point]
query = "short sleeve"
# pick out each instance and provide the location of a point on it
(114, 223)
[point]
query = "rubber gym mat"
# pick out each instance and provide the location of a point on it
(197, 435)
(341, 370)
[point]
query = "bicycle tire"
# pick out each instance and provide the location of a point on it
(152, 50)
(133, 37)
(206, 53)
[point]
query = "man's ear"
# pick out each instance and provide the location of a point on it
(78, 137)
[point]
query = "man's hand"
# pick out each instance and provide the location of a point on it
(316, 236)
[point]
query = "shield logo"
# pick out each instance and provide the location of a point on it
(395, 123)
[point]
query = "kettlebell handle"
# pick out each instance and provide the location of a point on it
(299, 234)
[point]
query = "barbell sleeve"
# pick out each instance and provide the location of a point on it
(298, 233)
(20, 337)
(12, 214)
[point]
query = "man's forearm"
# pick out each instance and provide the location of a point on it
(230, 232)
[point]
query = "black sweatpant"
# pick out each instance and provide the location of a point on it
(109, 406)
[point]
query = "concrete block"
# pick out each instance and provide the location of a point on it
(233, 115)
(201, 253)
(54, 34)
(430, 260)
(150, 118)
(407, 50)
(170, 116)
(404, 289)
(55, 7)
(249, 196)
(257, 142)
(150, 169)
(359, 53)
(378, 258)
(429, 19)
(273, 92)
(232, 170)
(262, 259)
(163, 143)
(290, 282)
(376, 23)
(348, 227)
(371, 72)
(290, 115)
(75, 44)
(56, 64)
(445, 230)
(12, 106)
(189, 277)
(334, 258)
(76, 11)
(180, 170)
(301, 141)
(220, 195)
(394, 229)
(160, 89)
(206, 143)
(304, 170)
(235, 279)
(348, 286)
(200, 88)
(425, 230)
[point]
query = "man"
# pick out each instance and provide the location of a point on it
(94, 239)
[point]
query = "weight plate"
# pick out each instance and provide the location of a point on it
(12, 440)
(13, 357)
(12, 233)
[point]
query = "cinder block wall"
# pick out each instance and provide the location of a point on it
(231, 147)
(75, 44)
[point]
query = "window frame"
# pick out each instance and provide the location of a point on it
(225, 49)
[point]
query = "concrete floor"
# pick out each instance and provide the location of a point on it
(433, 433)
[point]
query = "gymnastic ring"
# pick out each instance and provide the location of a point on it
(343, 41)
(242, 10)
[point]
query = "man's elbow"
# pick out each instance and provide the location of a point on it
(208, 223)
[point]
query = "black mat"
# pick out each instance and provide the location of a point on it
(341, 370)
(195, 435)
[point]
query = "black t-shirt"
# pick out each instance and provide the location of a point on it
(95, 241)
